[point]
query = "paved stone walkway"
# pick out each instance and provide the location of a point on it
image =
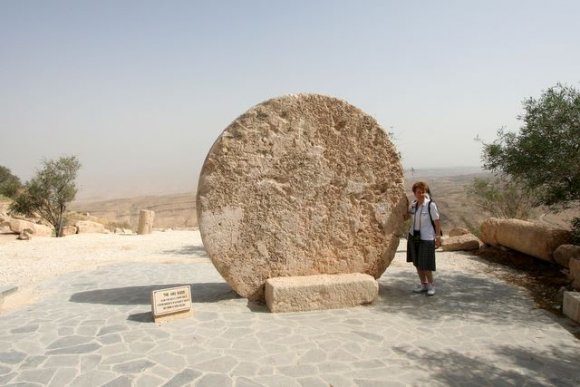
(94, 328)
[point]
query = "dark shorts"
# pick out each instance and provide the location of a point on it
(421, 253)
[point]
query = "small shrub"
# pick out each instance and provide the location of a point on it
(502, 197)
(49, 192)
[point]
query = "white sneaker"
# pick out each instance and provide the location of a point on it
(430, 290)
(421, 288)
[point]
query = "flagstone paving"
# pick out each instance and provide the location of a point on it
(94, 328)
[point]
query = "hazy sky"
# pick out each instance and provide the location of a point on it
(140, 90)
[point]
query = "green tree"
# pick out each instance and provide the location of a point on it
(48, 193)
(502, 197)
(545, 154)
(9, 184)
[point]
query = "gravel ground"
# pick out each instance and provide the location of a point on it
(26, 263)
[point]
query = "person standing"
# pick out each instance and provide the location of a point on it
(424, 236)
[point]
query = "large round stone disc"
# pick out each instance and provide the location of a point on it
(300, 185)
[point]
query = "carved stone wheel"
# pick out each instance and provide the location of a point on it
(300, 185)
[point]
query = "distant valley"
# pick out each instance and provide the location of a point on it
(178, 210)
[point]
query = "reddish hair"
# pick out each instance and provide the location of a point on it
(422, 185)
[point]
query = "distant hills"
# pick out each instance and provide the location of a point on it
(177, 210)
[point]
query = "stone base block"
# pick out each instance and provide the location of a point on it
(316, 292)
(572, 305)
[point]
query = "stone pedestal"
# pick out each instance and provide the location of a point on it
(88, 227)
(146, 218)
(316, 292)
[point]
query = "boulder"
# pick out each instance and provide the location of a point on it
(89, 227)
(564, 253)
(19, 225)
(317, 292)
(42, 230)
(458, 231)
(69, 230)
(300, 185)
(5, 227)
(462, 242)
(25, 234)
(529, 238)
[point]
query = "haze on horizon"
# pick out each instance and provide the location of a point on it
(140, 90)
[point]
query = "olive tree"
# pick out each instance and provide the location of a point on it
(545, 154)
(49, 192)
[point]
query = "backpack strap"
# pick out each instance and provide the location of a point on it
(431, 218)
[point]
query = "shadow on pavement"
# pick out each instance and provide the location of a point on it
(141, 295)
(552, 366)
(459, 296)
(257, 307)
(145, 317)
(196, 250)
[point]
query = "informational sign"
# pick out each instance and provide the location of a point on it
(171, 301)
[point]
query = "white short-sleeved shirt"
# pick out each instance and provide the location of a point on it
(424, 223)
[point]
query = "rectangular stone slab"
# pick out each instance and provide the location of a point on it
(317, 292)
(572, 305)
